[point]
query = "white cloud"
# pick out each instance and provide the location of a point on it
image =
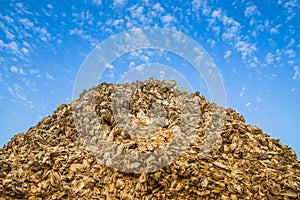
(97, 2)
(217, 13)
(270, 58)
(253, 61)
(211, 42)
(44, 35)
(21, 71)
(49, 77)
(248, 104)
(228, 21)
(119, 2)
(252, 21)
(26, 22)
(227, 54)
(278, 55)
(263, 26)
(245, 48)
(275, 30)
(13, 47)
(14, 69)
(291, 8)
(109, 66)
(290, 53)
(49, 6)
(145, 59)
(291, 43)
(137, 12)
(297, 72)
(167, 19)
(251, 10)
(140, 68)
(8, 19)
(84, 35)
(20, 5)
(243, 91)
(201, 5)
(292, 89)
(196, 4)
(9, 35)
(291, 62)
(157, 7)
(33, 71)
(24, 50)
(17, 91)
(131, 64)
(118, 23)
(162, 74)
(232, 28)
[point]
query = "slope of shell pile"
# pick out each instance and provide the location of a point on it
(146, 140)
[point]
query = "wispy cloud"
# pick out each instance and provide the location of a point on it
(17, 70)
(49, 6)
(296, 72)
(85, 35)
(291, 53)
(248, 104)
(291, 7)
(275, 30)
(17, 91)
(9, 35)
(118, 3)
(167, 19)
(18, 94)
(49, 77)
(97, 2)
(251, 10)
(242, 93)
(26, 22)
(157, 7)
(232, 28)
(227, 54)
(246, 49)
(270, 58)
(201, 5)
(13, 47)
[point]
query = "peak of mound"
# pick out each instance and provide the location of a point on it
(146, 140)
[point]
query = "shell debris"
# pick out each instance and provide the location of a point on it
(53, 160)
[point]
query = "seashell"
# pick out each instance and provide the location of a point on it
(78, 185)
(233, 146)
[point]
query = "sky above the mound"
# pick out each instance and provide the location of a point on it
(254, 44)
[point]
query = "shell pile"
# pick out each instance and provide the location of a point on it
(146, 140)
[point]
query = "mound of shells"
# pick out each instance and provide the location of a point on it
(146, 140)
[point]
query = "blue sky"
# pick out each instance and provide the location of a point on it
(255, 45)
